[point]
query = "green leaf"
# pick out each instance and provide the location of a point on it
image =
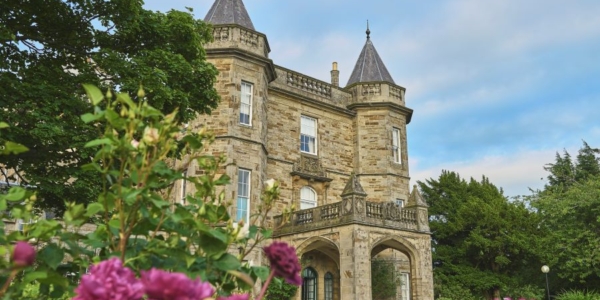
(94, 208)
(93, 93)
(261, 272)
(89, 117)
(227, 262)
(14, 148)
(36, 275)
(96, 142)
(3, 125)
(52, 255)
(15, 194)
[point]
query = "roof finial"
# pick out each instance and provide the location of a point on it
(368, 31)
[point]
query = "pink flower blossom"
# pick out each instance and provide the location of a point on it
(162, 285)
(23, 254)
(284, 262)
(109, 280)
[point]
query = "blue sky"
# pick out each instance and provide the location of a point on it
(497, 86)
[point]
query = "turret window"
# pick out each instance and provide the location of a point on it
(246, 104)
(396, 149)
(308, 135)
(243, 196)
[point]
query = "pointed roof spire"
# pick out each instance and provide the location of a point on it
(353, 187)
(416, 198)
(369, 66)
(229, 12)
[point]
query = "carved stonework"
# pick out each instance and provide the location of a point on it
(371, 89)
(353, 186)
(347, 204)
(221, 34)
(311, 166)
(360, 204)
(423, 220)
(249, 38)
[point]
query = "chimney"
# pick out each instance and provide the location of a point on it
(335, 75)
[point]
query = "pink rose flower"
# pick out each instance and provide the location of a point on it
(284, 262)
(162, 285)
(23, 254)
(109, 280)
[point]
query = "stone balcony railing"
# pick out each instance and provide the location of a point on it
(349, 211)
(235, 36)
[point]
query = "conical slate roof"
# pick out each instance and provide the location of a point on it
(369, 66)
(229, 12)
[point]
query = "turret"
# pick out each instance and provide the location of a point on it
(381, 116)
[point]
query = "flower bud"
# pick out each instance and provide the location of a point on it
(150, 135)
(141, 94)
(271, 184)
(23, 254)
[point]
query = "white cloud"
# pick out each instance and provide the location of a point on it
(515, 173)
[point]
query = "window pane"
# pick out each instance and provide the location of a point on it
(308, 135)
(396, 145)
(308, 198)
(243, 199)
(246, 103)
(328, 286)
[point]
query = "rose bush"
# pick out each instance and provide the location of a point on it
(143, 244)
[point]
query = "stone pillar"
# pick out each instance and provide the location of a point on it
(355, 264)
(335, 75)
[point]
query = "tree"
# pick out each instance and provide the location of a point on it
(564, 172)
(480, 240)
(51, 47)
(569, 213)
(572, 244)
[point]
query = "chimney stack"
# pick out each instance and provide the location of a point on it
(335, 75)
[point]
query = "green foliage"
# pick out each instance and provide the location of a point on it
(569, 207)
(51, 47)
(384, 281)
(565, 172)
(481, 240)
(280, 290)
(572, 243)
(578, 295)
(455, 292)
(133, 215)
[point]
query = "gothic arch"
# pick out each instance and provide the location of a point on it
(323, 245)
(401, 244)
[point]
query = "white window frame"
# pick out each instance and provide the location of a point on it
(183, 188)
(243, 195)
(305, 131)
(396, 145)
(308, 198)
(246, 102)
(405, 285)
(399, 202)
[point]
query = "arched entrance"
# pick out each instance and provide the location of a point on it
(320, 260)
(393, 269)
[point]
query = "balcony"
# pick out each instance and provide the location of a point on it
(352, 210)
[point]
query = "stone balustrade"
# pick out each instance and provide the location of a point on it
(305, 83)
(235, 36)
(387, 215)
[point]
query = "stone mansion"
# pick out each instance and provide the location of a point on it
(339, 153)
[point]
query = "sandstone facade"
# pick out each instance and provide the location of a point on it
(356, 168)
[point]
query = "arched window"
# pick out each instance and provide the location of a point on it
(308, 198)
(309, 284)
(328, 286)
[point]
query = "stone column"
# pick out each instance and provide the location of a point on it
(355, 264)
